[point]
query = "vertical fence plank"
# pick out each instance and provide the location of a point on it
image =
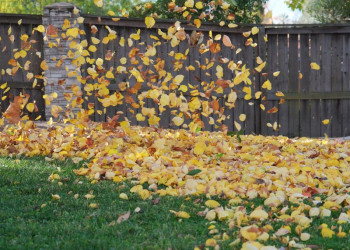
(272, 61)
(345, 108)
(315, 79)
(305, 107)
(337, 83)
(293, 86)
(325, 83)
(282, 81)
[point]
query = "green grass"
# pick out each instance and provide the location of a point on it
(69, 222)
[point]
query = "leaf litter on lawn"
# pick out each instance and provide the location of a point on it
(278, 170)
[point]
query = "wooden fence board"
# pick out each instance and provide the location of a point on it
(273, 66)
(305, 105)
(345, 109)
(282, 80)
(315, 79)
(293, 86)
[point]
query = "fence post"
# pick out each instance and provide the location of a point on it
(58, 48)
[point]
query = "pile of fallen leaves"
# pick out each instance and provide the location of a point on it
(180, 162)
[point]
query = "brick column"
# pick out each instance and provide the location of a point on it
(57, 47)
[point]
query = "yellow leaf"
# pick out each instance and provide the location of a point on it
(123, 60)
(178, 79)
(276, 73)
(150, 22)
(325, 122)
(197, 22)
(92, 48)
(140, 117)
(89, 196)
(95, 40)
(93, 205)
(98, 3)
(242, 117)
(212, 204)
(189, 3)
(99, 62)
(260, 67)
(259, 214)
(248, 233)
(267, 85)
(30, 107)
(56, 197)
(123, 196)
(304, 236)
(232, 25)
(164, 100)
(238, 126)
(255, 30)
(210, 242)
(327, 233)
(41, 28)
(199, 148)
(314, 66)
(183, 88)
(181, 214)
(279, 94)
(178, 121)
(199, 5)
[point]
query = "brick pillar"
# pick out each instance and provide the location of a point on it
(55, 48)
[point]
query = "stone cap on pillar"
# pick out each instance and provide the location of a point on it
(62, 6)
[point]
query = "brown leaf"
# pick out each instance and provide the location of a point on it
(51, 31)
(123, 217)
(156, 201)
(13, 112)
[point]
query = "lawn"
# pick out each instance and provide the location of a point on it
(32, 218)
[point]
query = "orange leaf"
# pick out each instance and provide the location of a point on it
(215, 105)
(272, 110)
(227, 42)
(215, 48)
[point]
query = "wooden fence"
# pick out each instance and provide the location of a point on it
(18, 83)
(317, 95)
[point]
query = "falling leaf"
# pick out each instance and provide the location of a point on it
(238, 126)
(276, 73)
(178, 121)
(325, 122)
(242, 117)
(30, 107)
(315, 66)
(227, 42)
(267, 85)
(150, 22)
(272, 110)
(255, 30)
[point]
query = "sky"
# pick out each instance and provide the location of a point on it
(279, 7)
